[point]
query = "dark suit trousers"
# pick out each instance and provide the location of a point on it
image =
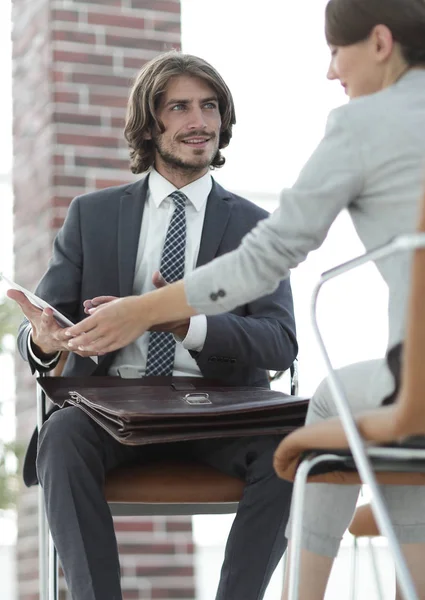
(75, 454)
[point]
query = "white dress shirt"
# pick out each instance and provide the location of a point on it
(131, 360)
(157, 215)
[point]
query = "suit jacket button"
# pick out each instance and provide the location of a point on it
(221, 293)
(214, 297)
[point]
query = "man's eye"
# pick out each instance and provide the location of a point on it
(178, 107)
(210, 105)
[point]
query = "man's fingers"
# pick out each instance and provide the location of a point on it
(27, 307)
(95, 302)
(158, 280)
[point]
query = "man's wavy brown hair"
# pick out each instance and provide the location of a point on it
(145, 96)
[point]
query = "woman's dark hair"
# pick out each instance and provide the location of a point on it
(145, 96)
(350, 21)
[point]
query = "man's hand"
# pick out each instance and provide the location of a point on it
(47, 335)
(177, 328)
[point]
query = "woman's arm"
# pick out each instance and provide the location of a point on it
(331, 180)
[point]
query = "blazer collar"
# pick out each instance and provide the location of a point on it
(132, 204)
(217, 215)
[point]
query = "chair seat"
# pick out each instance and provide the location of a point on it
(172, 482)
(389, 470)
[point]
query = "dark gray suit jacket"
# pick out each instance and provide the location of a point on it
(95, 252)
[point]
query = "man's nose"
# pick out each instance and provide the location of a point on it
(197, 120)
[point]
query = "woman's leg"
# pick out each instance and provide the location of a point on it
(329, 508)
(415, 558)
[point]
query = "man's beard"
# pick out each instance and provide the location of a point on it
(175, 162)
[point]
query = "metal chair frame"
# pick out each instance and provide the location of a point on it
(369, 535)
(48, 557)
(363, 456)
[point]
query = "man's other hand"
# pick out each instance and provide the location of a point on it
(47, 336)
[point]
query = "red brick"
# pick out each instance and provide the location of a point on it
(136, 43)
(77, 119)
(167, 548)
(82, 58)
(70, 139)
(157, 5)
(98, 79)
(115, 20)
(99, 2)
(131, 62)
(66, 97)
(69, 180)
(105, 183)
(166, 26)
(101, 162)
(178, 526)
(60, 201)
(118, 122)
(133, 525)
(108, 100)
(165, 571)
(175, 593)
(65, 15)
(76, 37)
(58, 76)
(56, 223)
(58, 160)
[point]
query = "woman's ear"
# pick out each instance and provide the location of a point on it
(383, 42)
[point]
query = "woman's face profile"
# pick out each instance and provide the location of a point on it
(354, 68)
(368, 66)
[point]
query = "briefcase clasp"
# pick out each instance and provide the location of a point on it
(196, 398)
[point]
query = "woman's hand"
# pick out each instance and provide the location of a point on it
(116, 323)
(111, 325)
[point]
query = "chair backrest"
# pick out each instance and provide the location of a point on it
(410, 401)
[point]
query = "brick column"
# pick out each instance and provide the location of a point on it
(73, 62)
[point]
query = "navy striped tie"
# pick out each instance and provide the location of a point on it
(162, 345)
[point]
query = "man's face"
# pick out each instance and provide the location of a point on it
(190, 114)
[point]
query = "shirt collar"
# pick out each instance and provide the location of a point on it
(197, 191)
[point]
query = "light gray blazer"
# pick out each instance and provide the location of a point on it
(371, 161)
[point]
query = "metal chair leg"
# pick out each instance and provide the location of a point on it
(43, 549)
(353, 570)
(374, 563)
(297, 514)
(53, 571)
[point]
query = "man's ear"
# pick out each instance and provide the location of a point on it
(147, 135)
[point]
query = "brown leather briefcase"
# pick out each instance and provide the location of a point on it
(164, 409)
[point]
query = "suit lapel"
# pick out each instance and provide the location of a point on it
(130, 218)
(217, 215)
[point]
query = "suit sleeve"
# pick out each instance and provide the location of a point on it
(265, 338)
(61, 284)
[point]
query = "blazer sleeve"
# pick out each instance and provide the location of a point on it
(330, 181)
(263, 338)
(60, 285)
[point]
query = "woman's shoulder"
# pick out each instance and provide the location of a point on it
(376, 109)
